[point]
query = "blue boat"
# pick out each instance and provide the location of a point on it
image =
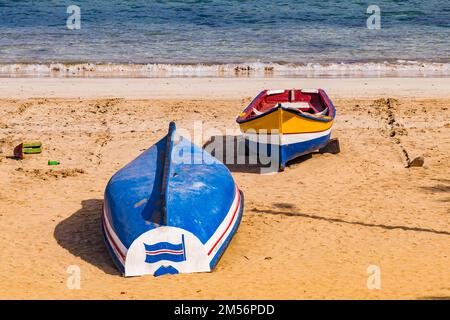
(173, 209)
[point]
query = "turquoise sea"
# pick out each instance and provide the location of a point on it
(219, 37)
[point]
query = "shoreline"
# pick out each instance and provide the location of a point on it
(218, 88)
(360, 69)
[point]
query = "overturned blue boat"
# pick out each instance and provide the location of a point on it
(173, 209)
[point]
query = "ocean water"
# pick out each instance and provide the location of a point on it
(224, 38)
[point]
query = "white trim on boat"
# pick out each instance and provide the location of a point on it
(117, 254)
(309, 90)
(302, 137)
(257, 112)
(223, 231)
(323, 112)
(114, 239)
(274, 91)
(295, 105)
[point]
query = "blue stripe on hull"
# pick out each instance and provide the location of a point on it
(291, 151)
(164, 256)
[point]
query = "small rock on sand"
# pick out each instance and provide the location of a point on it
(417, 162)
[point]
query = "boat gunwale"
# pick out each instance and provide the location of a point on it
(321, 93)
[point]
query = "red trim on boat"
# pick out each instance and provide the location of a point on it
(164, 251)
(268, 103)
(111, 240)
(231, 221)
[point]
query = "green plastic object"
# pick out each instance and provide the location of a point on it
(32, 147)
(53, 162)
(27, 148)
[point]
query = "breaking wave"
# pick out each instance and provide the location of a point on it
(254, 69)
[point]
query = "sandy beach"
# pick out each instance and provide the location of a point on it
(310, 232)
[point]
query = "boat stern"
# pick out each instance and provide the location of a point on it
(171, 250)
(166, 250)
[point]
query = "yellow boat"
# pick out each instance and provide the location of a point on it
(293, 122)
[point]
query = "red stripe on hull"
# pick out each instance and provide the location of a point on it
(111, 240)
(164, 251)
(229, 224)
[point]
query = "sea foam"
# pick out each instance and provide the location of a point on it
(254, 69)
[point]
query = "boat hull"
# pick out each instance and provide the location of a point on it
(284, 134)
(174, 209)
(286, 147)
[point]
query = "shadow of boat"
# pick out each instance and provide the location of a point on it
(81, 235)
(232, 152)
